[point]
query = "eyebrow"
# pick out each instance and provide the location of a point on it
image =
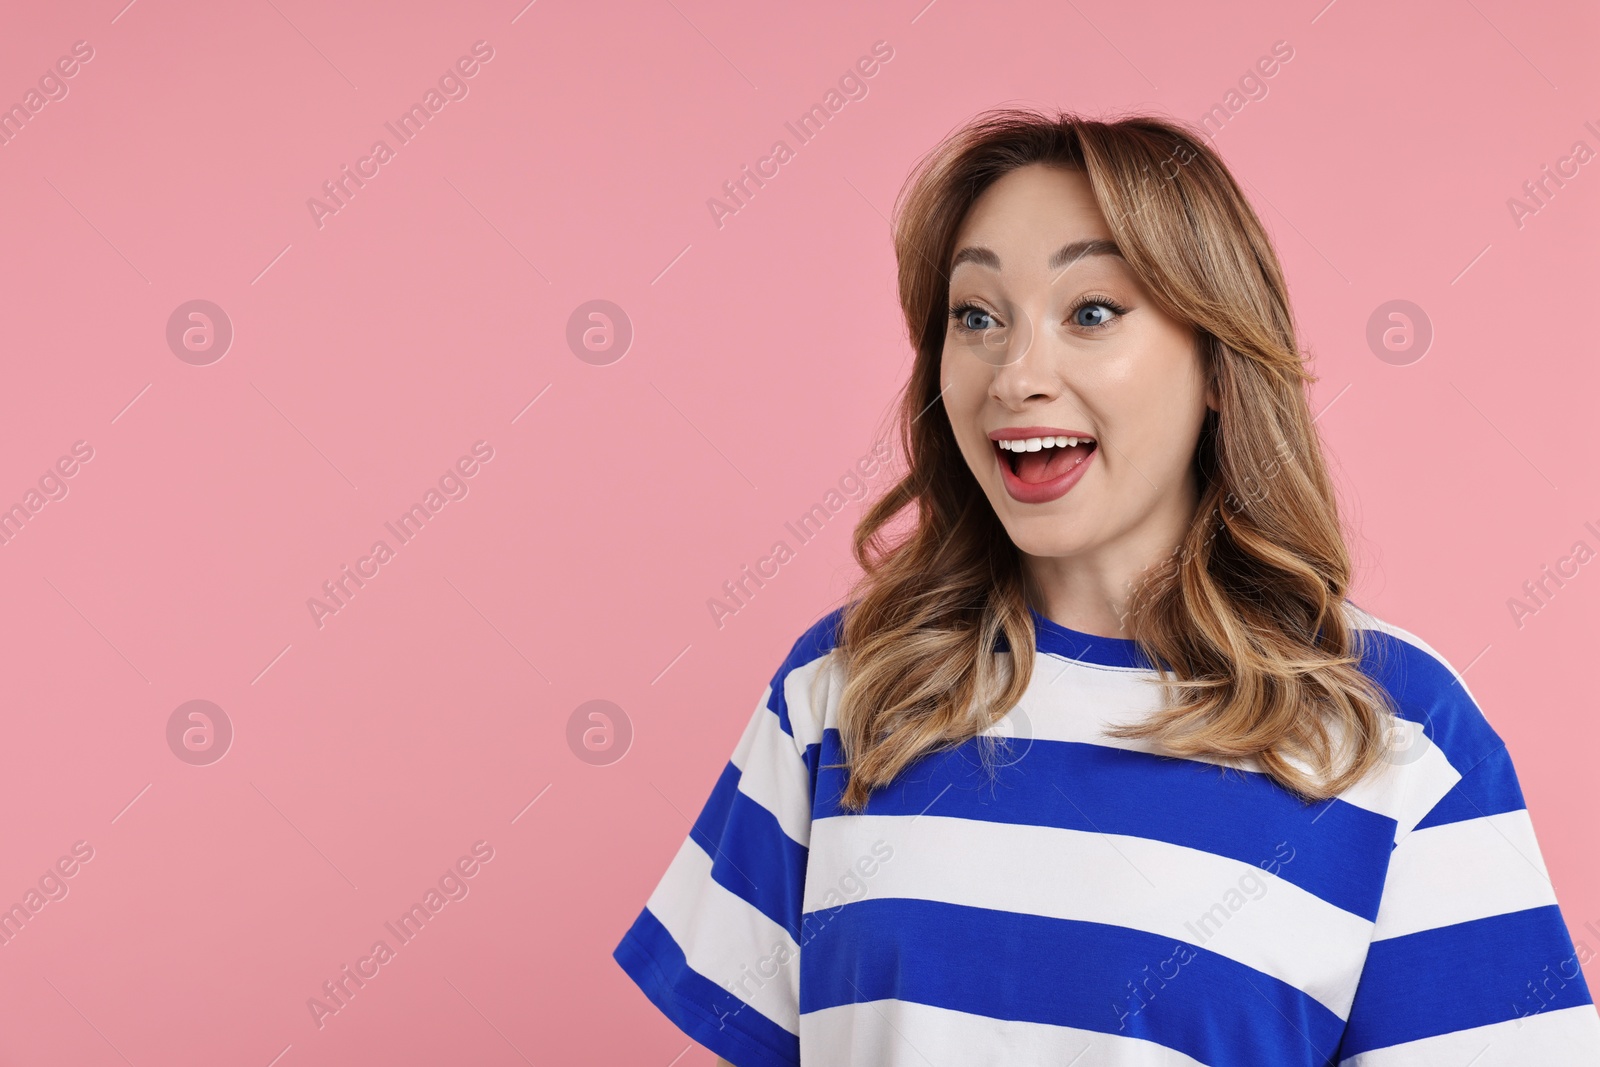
(1064, 256)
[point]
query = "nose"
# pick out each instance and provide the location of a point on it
(1025, 371)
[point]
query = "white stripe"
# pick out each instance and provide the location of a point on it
(1074, 700)
(896, 1033)
(751, 728)
(773, 773)
(1462, 871)
(1431, 776)
(1230, 907)
(1067, 703)
(808, 688)
(1565, 1038)
(727, 940)
(1427, 778)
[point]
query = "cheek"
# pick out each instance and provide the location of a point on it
(962, 395)
(952, 369)
(1168, 435)
(964, 380)
(1154, 409)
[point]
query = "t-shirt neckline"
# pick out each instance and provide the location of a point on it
(1052, 637)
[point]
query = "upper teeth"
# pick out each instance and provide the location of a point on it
(1034, 444)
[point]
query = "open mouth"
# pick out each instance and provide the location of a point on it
(1036, 460)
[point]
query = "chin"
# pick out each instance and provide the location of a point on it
(1043, 535)
(1048, 548)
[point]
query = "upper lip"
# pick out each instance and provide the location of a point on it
(1020, 433)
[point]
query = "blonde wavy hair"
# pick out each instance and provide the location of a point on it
(1244, 623)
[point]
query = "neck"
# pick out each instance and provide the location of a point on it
(1090, 591)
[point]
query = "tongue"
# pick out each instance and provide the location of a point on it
(1048, 463)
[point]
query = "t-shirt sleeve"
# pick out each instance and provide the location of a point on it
(1471, 961)
(717, 946)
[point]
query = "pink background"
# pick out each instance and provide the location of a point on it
(372, 352)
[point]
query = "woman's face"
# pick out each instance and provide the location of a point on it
(1054, 338)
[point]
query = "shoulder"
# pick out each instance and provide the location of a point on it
(1442, 733)
(815, 642)
(1426, 688)
(804, 686)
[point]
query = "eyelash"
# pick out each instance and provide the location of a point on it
(959, 312)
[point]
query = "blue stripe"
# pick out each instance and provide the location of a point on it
(1465, 975)
(702, 1009)
(1050, 636)
(1424, 691)
(820, 638)
(813, 758)
(1060, 972)
(1490, 788)
(1340, 851)
(751, 856)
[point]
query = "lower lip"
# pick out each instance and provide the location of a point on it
(1042, 492)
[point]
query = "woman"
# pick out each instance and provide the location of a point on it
(1214, 813)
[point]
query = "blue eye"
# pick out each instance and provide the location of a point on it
(960, 312)
(1097, 306)
(1100, 309)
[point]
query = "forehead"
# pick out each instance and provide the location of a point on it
(1026, 215)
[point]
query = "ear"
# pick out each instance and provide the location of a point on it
(1212, 400)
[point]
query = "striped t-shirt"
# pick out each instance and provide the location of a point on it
(1093, 903)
